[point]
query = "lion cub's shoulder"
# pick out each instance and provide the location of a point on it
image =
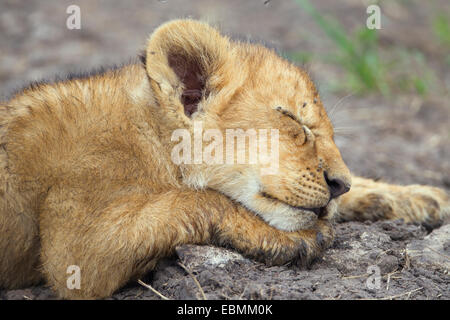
(92, 124)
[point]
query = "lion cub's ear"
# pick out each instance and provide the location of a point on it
(191, 62)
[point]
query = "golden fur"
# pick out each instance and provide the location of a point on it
(87, 179)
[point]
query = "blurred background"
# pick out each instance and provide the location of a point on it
(387, 90)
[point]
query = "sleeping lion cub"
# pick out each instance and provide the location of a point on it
(88, 179)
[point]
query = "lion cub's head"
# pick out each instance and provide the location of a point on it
(209, 86)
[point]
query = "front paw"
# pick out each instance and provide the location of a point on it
(300, 248)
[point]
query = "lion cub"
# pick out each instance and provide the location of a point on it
(88, 179)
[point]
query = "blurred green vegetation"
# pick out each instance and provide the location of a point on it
(441, 28)
(367, 67)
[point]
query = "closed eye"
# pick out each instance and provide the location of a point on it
(288, 114)
(307, 132)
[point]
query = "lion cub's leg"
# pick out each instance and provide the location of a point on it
(125, 239)
(112, 245)
(19, 238)
(370, 200)
(19, 249)
(256, 239)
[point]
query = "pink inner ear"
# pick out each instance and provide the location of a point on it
(190, 99)
(192, 76)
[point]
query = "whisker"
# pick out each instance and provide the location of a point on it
(345, 131)
(333, 110)
(340, 129)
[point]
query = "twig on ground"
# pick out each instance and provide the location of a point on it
(243, 292)
(402, 294)
(389, 278)
(194, 278)
(439, 253)
(355, 277)
(142, 283)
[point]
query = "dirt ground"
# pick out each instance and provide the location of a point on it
(401, 139)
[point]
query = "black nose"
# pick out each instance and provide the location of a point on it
(336, 186)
